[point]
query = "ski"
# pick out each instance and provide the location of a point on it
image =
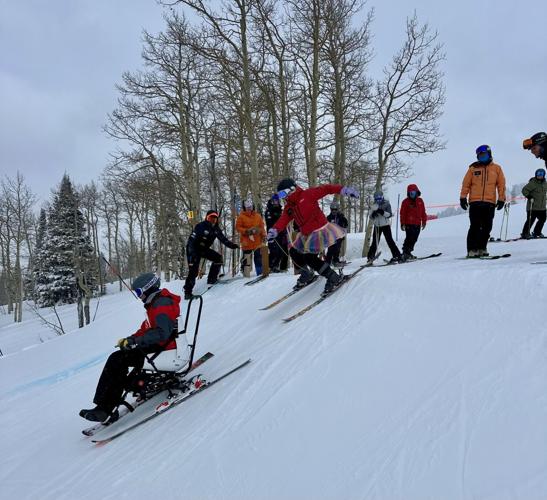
(389, 263)
(166, 405)
(323, 296)
(90, 431)
(486, 257)
(256, 280)
(286, 296)
(497, 240)
(539, 262)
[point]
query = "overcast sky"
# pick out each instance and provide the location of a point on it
(60, 61)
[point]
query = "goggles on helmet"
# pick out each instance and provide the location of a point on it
(286, 192)
(540, 172)
(139, 292)
(483, 156)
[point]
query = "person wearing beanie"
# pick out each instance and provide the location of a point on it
(199, 247)
(278, 249)
(381, 213)
(250, 226)
(315, 234)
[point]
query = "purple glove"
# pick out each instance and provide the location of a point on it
(349, 191)
(272, 234)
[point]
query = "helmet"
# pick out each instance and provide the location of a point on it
(285, 188)
(540, 172)
(484, 154)
(211, 216)
(539, 138)
(335, 205)
(378, 196)
(145, 284)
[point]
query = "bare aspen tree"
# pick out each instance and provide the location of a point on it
(407, 104)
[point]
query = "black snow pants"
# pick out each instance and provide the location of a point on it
(412, 232)
(193, 267)
(531, 217)
(333, 253)
(481, 216)
(377, 234)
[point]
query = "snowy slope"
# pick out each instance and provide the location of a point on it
(425, 380)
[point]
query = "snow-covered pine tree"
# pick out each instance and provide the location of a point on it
(37, 275)
(68, 267)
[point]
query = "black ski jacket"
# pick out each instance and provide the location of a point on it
(338, 219)
(272, 214)
(203, 236)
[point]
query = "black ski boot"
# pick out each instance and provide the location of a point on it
(98, 414)
(305, 278)
(187, 295)
(333, 279)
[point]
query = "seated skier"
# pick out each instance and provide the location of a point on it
(153, 336)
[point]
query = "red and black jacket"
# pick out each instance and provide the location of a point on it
(162, 311)
(413, 210)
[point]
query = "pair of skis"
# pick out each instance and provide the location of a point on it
(390, 263)
(105, 434)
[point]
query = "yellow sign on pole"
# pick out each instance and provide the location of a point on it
(190, 214)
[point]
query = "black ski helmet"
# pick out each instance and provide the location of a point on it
(286, 184)
(537, 139)
(145, 284)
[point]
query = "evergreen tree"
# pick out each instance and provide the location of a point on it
(67, 255)
(37, 275)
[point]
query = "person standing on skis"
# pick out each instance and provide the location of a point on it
(154, 335)
(278, 249)
(199, 247)
(481, 182)
(338, 218)
(536, 195)
(413, 219)
(316, 233)
(250, 226)
(380, 214)
(537, 144)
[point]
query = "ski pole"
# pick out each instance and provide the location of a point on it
(502, 221)
(528, 224)
(507, 221)
(117, 273)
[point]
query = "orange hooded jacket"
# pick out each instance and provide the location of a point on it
(250, 227)
(482, 181)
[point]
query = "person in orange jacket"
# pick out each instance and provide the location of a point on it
(250, 226)
(481, 182)
(413, 219)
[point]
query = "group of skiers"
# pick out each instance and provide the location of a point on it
(483, 191)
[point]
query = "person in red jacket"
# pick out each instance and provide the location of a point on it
(154, 335)
(413, 219)
(316, 232)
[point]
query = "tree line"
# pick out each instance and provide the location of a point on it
(223, 107)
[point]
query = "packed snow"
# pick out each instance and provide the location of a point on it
(422, 380)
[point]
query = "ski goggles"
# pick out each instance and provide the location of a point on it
(412, 194)
(540, 173)
(139, 292)
(286, 192)
(527, 143)
(378, 199)
(483, 156)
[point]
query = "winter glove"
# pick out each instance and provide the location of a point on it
(403, 227)
(233, 246)
(272, 234)
(463, 203)
(126, 344)
(380, 211)
(423, 226)
(500, 204)
(374, 214)
(349, 191)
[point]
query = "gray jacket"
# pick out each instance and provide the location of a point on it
(381, 220)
